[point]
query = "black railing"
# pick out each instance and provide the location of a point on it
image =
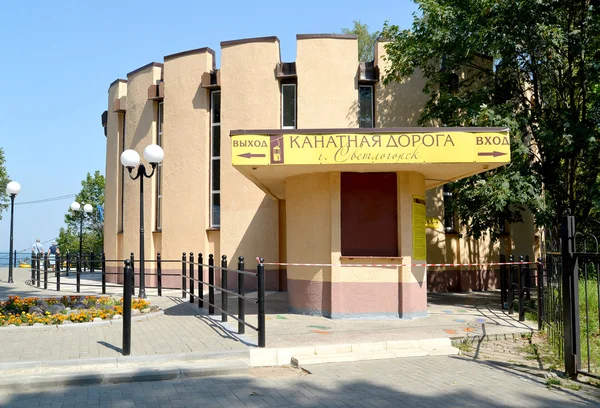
(188, 269)
(41, 267)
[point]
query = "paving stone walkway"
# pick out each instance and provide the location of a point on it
(410, 382)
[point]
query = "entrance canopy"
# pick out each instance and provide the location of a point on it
(268, 157)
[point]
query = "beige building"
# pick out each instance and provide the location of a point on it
(245, 173)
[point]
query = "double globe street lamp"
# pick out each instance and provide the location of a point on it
(87, 208)
(154, 154)
(12, 189)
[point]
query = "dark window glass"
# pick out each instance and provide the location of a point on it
(448, 211)
(216, 174)
(216, 141)
(216, 107)
(216, 210)
(365, 106)
(288, 105)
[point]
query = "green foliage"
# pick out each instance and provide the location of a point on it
(92, 192)
(366, 40)
(3, 182)
(531, 66)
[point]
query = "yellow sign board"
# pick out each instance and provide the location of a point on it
(383, 148)
(419, 236)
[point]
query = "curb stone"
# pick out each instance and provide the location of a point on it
(68, 326)
(130, 374)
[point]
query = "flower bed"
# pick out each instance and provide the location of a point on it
(75, 309)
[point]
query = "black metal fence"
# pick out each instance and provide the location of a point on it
(45, 273)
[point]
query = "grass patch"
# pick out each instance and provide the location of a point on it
(465, 346)
(552, 382)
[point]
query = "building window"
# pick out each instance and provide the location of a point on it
(288, 106)
(365, 106)
(215, 160)
(122, 170)
(159, 141)
(448, 211)
(369, 214)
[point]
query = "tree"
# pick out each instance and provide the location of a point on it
(366, 40)
(92, 192)
(531, 66)
(3, 182)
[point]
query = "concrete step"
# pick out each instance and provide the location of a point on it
(331, 353)
(303, 360)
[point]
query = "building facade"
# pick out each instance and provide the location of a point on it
(199, 202)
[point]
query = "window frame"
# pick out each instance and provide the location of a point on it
(121, 226)
(214, 192)
(372, 88)
(295, 86)
(159, 140)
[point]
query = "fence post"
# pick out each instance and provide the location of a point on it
(572, 346)
(521, 290)
(103, 266)
(191, 277)
(33, 268)
(261, 303)
(68, 263)
(159, 273)
(511, 286)
(183, 278)
(38, 278)
(540, 293)
(200, 280)
(527, 278)
(241, 292)
(211, 284)
(223, 288)
(45, 271)
(57, 271)
(503, 294)
(132, 259)
(127, 291)
(92, 255)
(78, 271)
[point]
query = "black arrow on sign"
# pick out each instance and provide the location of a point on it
(493, 154)
(250, 155)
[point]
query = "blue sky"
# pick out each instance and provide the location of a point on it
(60, 56)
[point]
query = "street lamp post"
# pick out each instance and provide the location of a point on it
(12, 189)
(130, 158)
(87, 208)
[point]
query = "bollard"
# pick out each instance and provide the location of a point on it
(211, 285)
(132, 259)
(183, 278)
(127, 291)
(200, 281)
(521, 290)
(191, 277)
(223, 288)
(57, 272)
(159, 273)
(511, 286)
(540, 293)
(78, 271)
(241, 302)
(261, 303)
(45, 271)
(103, 266)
